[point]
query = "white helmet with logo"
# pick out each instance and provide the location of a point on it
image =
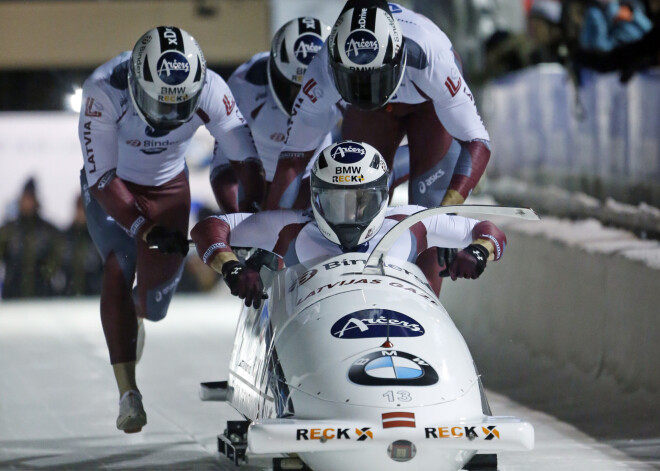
(165, 78)
(349, 193)
(367, 53)
(294, 46)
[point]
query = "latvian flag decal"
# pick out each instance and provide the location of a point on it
(398, 419)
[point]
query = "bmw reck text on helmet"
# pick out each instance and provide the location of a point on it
(349, 193)
(166, 76)
(294, 46)
(367, 53)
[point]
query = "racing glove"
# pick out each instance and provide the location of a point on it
(446, 255)
(166, 240)
(469, 262)
(244, 282)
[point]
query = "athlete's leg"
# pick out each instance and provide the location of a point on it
(118, 251)
(400, 170)
(118, 317)
(433, 157)
(286, 183)
(158, 274)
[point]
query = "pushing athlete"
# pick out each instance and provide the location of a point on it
(400, 76)
(140, 111)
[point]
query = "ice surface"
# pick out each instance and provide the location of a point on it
(58, 400)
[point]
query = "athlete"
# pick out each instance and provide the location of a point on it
(140, 111)
(400, 76)
(349, 196)
(266, 85)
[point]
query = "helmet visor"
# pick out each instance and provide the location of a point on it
(368, 89)
(348, 206)
(285, 90)
(161, 115)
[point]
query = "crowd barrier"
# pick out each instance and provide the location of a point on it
(567, 322)
(601, 138)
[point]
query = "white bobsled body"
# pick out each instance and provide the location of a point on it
(358, 371)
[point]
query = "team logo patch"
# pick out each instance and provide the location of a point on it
(229, 104)
(391, 368)
(361, 47)
(173, 68)
(92, 109)
(348, 153)
(306, 47)
(371, 323)
(394, 8)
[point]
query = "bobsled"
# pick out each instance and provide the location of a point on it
(352, 363)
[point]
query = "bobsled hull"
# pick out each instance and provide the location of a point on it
(340, 361)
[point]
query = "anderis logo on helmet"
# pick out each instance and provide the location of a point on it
(361, 46)
(173, 68)
(306, 47)
(348, 154)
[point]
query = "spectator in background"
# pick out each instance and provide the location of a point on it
(81, 261)
(627, 58)
(610, 23)
(30, 251)
(544, 27)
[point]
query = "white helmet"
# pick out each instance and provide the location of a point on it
(294, 46)
(367, 53)
(349, 193)
(166, 76)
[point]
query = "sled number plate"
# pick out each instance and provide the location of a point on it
(399, 396)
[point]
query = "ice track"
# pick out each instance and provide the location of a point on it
(58, 400)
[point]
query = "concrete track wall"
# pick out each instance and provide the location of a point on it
(569, 321)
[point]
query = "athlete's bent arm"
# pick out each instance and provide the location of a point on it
(455, 107)
(212, 237)
(313, 115)
(482, 241)
(225, 122)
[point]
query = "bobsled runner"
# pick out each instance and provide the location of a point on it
(352, 363)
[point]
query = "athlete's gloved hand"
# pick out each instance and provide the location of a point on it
(469, 262)
(167, 240)
(446, 255)
(244, 282)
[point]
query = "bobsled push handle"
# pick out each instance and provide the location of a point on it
(374, 263)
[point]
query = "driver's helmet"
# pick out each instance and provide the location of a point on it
(349, 193)
(294, 46)
(166, 76)
(367, 53)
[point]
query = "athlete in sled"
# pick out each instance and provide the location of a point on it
(351, 361)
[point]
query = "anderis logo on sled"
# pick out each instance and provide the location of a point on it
(371, 323)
